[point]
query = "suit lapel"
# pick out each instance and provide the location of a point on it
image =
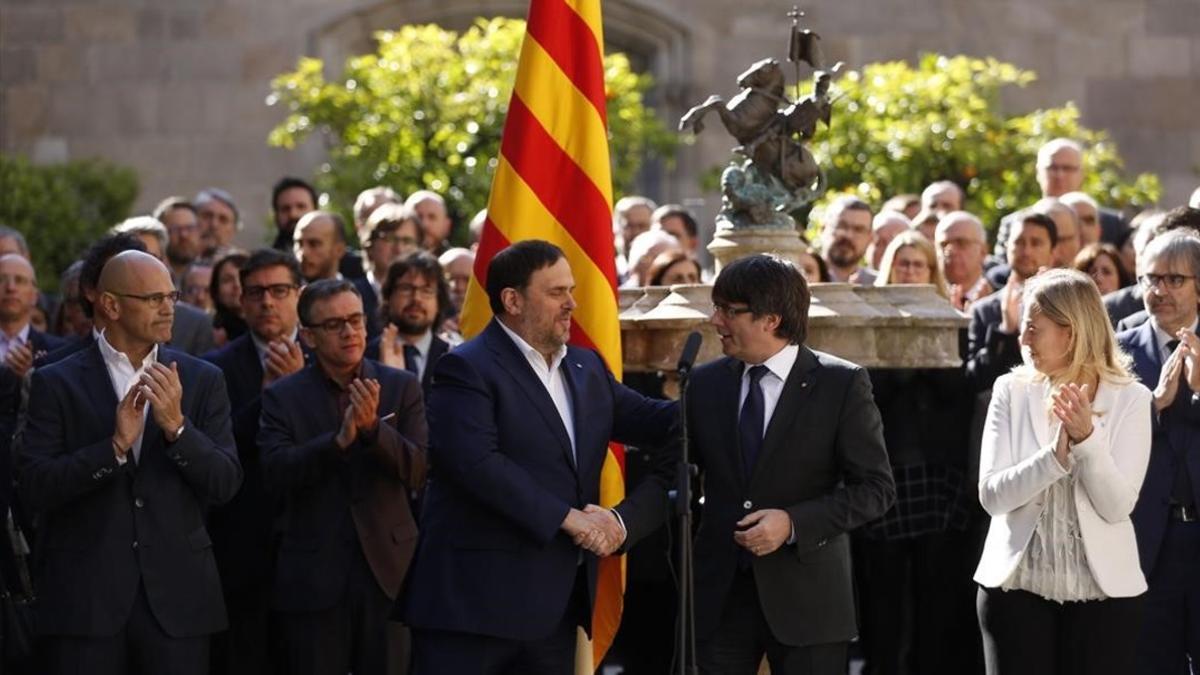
(800, 383)
(729, 390)
(512, 360)
(573, 374)
(436, 349)
(100, 387)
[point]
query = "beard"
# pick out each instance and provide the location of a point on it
(411, 327)
(842, 254)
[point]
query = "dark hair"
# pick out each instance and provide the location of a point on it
(680, 212)
(227, 318)
(513, 267)
(424, 263)
(665, 261)
(267, 257)
(94, 259)
(1087, 257)
(1041, 220)
(321, 290)
(822, 267)
(1181, 217)
(170, 204)
(287, 183)
(768, 285)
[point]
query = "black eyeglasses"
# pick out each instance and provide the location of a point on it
(335, 325)
(154, 300)
(407, 291)
(1172, 281)
(277, 291)
(729, 311)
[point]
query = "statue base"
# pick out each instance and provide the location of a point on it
(731, 243)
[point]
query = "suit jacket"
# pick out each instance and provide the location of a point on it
(106, 528)
(1017, 465)
(192, 330)
(492, 559)
(1176, 439)
(335, 501)
(243, 529)
(370, 301)
(1112, 226)
(1133, 321)
(10, 404)
(1123, 303)
(436, 348)
(823, 461)
(990, 352)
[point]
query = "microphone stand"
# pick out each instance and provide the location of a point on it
(686, 618)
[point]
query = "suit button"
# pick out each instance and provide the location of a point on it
(747, 505)
(138, 502)
(135, 544)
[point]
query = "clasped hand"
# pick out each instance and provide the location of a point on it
(160, 386)
(361, 415)
(594, 529)
(763, 532)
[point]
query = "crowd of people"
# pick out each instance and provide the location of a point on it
(227, 460)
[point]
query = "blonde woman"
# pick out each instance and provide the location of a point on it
(1065, 448)
(910, 259)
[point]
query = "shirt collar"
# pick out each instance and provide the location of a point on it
(113, 357)
(1162, 337)
(21, 338)
(260, 345)
(529, 352)
(424, 343)
(780, 364)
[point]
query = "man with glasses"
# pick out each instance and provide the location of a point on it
(962, 246)
(1166, 357)
(343, 444)
(126, 446)
(846, 235)
(219, 221)
(416, 299)
(392, 231)
(242, 530)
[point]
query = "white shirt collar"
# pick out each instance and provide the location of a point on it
(260, 345)
(1162, 337)
(425, 343)
(118, 359)
(780, 364)
(21, 338)
(531, 354)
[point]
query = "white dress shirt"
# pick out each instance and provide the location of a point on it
(778, 367)
(1164, 338)
(261, 345)
(7, 343)
(423, 346)
(124, 376)
(551, 377)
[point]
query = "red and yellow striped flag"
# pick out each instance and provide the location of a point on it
(553, 182)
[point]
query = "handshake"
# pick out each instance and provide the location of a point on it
(595, 529)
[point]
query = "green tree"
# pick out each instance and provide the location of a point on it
(62, 208)
(426, 110)
(897, 128)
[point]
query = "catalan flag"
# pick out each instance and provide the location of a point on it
(553, 182)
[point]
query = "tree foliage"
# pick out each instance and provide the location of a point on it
(427, 108)
(897, 128)
(62, 208)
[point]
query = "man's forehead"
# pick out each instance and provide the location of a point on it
(337, 305)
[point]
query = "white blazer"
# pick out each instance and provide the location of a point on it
(1017, 465)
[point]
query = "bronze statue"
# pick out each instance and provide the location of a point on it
(778, 173)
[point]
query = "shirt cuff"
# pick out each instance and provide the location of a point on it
(621, 522)
(792, 533)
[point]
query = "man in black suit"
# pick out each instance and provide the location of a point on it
(243, 530)
(791, 454)
(416, 298)
(320, 245)
(520, 424)
(1166, 357)
(343, 444)
(992, 339)
(126, 445)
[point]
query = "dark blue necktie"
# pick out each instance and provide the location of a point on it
(750, 423)
(410, 358)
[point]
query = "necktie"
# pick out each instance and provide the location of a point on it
(1171, 346)
(750, 423)
(1181, 488)
(410, 358)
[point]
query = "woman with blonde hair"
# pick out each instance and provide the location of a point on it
(910, 259)
(1065, 449)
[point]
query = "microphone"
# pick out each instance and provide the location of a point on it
(690, 349)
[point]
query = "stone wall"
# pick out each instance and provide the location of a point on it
(176, 88)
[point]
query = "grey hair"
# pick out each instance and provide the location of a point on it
(139, 225)
(1177, 248)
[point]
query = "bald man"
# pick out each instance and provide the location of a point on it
(126, 445)
(319, 242)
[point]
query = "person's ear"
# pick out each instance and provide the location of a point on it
(512, 301)
(308, 338)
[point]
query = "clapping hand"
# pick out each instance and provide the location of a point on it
(283, 358)
(361, 416)
(160, 386)
(391, 352)
(129, 422)
(1010, 305)
(1189, 345)
(20, 359)
(1168, 379)
(1073, 408)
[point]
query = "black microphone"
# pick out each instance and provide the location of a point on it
(690, 349)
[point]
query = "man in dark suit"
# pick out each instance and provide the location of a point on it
(992, 338)
(790, 448)
(343, 444)
(126, 445)
(243, 530)
(416, 298)
(320, 243)
(520, 424)
(1166, 356)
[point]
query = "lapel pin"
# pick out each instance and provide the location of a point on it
(579, 365)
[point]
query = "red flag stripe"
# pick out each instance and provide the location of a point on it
(559, 30)
(542, 164)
